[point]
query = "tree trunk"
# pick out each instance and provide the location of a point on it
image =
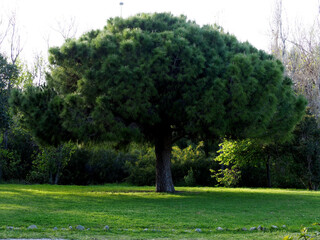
(268, 173)
(56, 179)
(309, 161)
(163, 146)
(50, 177)
(5, 138)
(0, 171)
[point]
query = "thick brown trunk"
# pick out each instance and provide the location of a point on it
(163, 146)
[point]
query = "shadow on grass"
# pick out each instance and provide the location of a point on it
(140, 207)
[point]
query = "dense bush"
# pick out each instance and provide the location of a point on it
(77, 170)
(295, 164)
(86, 165)
(107, 166)
(142, 170)
(190, 166)
(9, 165)
(50, 162)
(17, 158)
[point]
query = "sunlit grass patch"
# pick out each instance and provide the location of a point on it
(139, 212)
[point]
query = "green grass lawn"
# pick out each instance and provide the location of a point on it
(140, 213)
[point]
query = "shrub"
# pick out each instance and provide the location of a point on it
(97, 165)
(190, 165)
(50, 162)
(77, 170)
(189, 178)
(142, 168)
(9, 165)
(107, 166)
(17, 158)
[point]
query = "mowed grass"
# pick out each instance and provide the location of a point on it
(140, 213)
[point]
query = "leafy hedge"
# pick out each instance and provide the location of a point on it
(239, 163)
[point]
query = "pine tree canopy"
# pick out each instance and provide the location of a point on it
(150, 71)
(156, 76)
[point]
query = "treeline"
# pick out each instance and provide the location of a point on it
(294, 164)
(24, 161)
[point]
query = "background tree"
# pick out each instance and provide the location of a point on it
(7, 73)
(159, 78)
(10, 36)
(305, 149)
(291, 164)
(298, 50)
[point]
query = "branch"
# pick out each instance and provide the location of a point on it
(15, 46)
(67, 28)
(3, 36)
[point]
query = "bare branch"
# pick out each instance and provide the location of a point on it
(14, 40)
(279, 33)
(67, 28)
(4, 32)
(300, 54)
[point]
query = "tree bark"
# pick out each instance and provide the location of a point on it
(56, 179)
(5, 138)
(50, 177)
(310, 183)
(163, 146)
(268, 173)
(0, 171)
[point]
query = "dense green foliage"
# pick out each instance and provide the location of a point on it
(102, 164)
(23, 161)
(41, 108)
(141, 73)
(7, 73)
(292, 164)
(140, 213)
(190, 166)
(159, 78)
(305, 153)
(51, 161)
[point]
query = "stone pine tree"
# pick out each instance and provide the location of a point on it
(159, 78)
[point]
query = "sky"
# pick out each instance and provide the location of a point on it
(248, 20)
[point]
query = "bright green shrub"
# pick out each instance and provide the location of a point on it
(50, 162)
(190, 165)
